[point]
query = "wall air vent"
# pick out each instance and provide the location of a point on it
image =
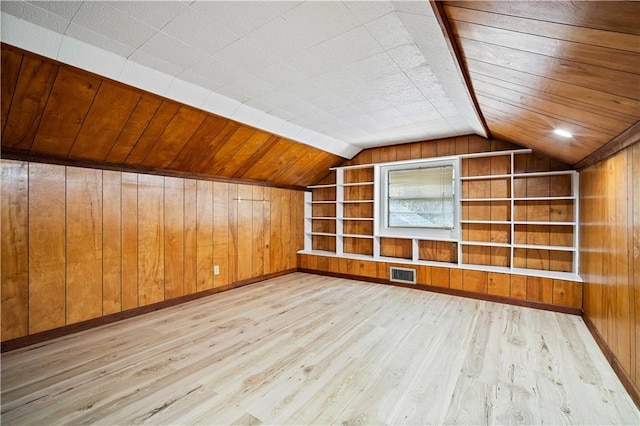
(402, 275)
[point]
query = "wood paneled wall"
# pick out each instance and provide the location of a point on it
(80, 243)
(557, 210)
(610, 256)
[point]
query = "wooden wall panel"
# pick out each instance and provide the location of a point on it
(56, 111)
(221, 232)
(610, 255)
(84, 244)
(190, 236)
(258, 225)
(245, 240)
(204, 235)
(80, 243)
(111, 242)
(129, 234)
(150, 239)
(47, 255)
(14, 271)
(174, 227)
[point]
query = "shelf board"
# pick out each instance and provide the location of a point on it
(484, 243)
(543, 198)
(370, 237)
(355, 201)
(356, 218)
(322, 218)
(553, 173)
(488, 222)
(520, 222)
(330, 185)
(357, 184)
(323, 234)
(485, 199)
(541, 247)
(323, 202)
(484, 177)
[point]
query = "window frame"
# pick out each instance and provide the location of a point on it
(380, 213)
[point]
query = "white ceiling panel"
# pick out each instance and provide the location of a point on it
(367, 11)
(242, 17)
(321, 19)
(245, 56)
(103, 19)
(352, 46)
(278, 39)
(196, 30)
(65, 9)
(172, 51)
(336, 75)
(156, 15)
(280, 75)
(389, 31)
(99, 40)
(36, 15)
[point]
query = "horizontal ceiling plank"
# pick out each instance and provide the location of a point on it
(609, 39)
(542, 106)
(578, 105)
(603, 79)
(616, 16)
(548, 46)
(618, 104)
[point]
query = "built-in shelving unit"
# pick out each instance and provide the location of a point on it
(512, 219)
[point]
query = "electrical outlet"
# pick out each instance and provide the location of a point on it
(216, 270)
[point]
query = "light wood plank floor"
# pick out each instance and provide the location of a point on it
(305, 349)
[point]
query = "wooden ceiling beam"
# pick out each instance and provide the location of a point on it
(624, 140)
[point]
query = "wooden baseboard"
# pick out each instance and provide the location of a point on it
(21, 342)
(627, 382)
(455, 292)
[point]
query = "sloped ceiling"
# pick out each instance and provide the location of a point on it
(538, 66)
(337, 75)
(57, 112)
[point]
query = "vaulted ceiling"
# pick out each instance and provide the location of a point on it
(280, 91)
(537, 66)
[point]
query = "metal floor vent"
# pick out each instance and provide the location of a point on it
(402, 275)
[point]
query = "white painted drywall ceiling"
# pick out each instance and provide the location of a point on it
(340, 76)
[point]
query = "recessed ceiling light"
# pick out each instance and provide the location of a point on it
(562, 133)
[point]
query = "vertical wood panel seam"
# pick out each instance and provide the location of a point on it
(13, 93)
(44, 108)
(84, 118)
(123, 127)
(152, 145)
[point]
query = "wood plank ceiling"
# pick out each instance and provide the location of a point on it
(55, 111)
(538, 66)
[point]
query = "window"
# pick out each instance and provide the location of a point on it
(418, 199)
